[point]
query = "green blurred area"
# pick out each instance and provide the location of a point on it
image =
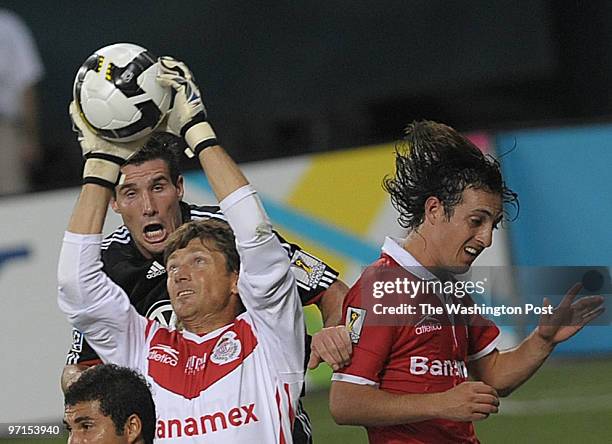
(565, 402)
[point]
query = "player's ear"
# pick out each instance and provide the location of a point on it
(434, 210)
(234, 283)
(132, 429)
(180, 186)
(113, 203)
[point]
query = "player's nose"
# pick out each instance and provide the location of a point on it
(485, 237)
(181, 273)
(148, 205)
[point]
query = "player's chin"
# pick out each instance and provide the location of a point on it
(460, 268)
(180, 310)
(154, 248)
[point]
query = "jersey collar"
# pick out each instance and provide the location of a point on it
(393, 247)
(205, 337)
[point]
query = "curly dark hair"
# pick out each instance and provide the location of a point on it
(121, 392)
(164, 146)
(433, 159)
(215, 230)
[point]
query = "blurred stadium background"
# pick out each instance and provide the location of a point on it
(311, 96)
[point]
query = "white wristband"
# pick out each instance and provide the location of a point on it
(197, 136)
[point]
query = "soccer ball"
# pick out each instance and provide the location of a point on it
(117, 95)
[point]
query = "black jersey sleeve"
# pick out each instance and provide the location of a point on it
(80, 351)
(312, 275)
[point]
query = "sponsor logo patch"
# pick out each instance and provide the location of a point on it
(227, 349)
(77, 341)
(164, 354)
(195, 364)
(354, 322)
(307, 269)
(155, 270)
(209, 423)
(428, 324)
(420, 365)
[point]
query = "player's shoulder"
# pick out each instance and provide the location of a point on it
(388, 267)
(375, 270)
(197, 212)
(385, 261)
(120, 238)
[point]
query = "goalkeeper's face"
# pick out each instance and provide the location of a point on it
(149, 204)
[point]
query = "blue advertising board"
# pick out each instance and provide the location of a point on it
(564, 180)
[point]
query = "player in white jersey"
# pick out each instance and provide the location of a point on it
(235, 371)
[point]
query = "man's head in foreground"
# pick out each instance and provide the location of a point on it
(109, 404)
(449, 195)
(203, 265)
(149, 194)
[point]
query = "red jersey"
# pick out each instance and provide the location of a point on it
(412, 353)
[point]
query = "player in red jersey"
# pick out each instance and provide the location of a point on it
(408, 378)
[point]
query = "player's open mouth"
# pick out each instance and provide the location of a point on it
(154, 233)
(184, 293)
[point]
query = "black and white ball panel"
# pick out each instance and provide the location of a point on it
(117, 92)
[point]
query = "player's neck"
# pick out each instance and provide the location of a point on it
(421, 249)
(203, 325)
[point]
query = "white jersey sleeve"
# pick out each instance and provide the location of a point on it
(95, 305)
(266, 285)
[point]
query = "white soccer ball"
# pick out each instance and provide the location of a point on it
(117, 94)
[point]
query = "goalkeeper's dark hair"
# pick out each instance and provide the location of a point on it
(121, 392)
(164, 146)
(433, 159)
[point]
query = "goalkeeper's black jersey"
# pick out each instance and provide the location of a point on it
(144, 280)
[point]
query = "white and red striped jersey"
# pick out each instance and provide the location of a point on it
(239, 383)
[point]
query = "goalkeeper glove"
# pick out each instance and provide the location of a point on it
(103, 159)
(187, 118)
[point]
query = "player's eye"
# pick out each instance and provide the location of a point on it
(475, 221)
(158, 187)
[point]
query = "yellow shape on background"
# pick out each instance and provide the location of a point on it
(345, 188)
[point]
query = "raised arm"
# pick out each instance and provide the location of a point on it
(189, 120)
(91, 301)
(266, 285)
(237, 199)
